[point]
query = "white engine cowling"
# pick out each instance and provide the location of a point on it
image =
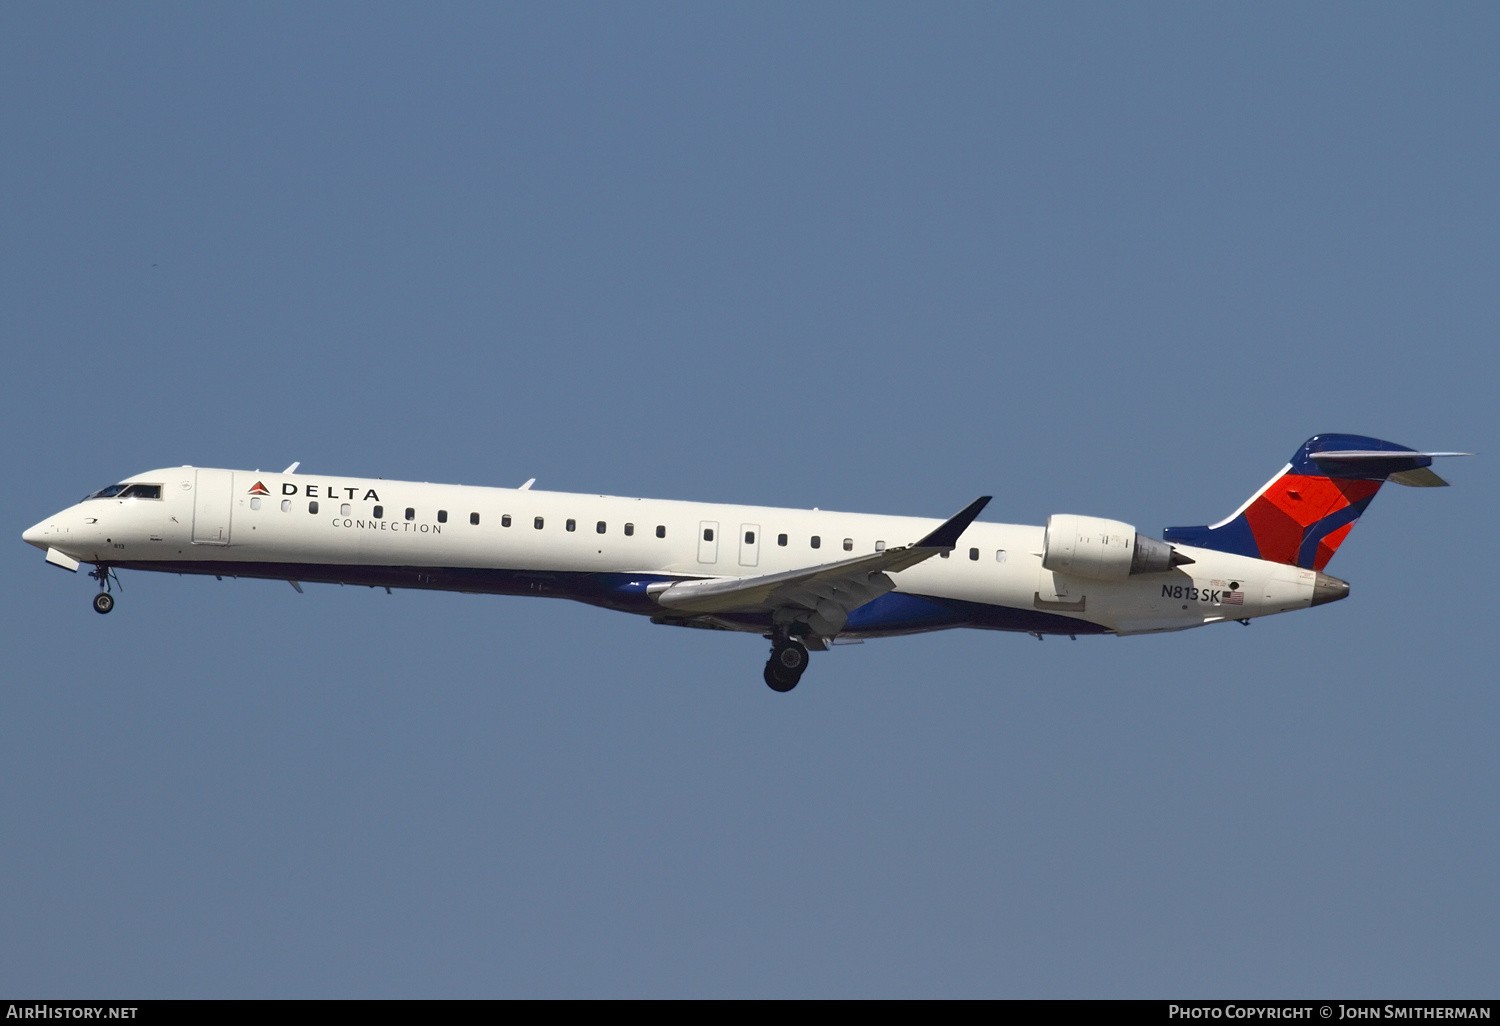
(1105, 550)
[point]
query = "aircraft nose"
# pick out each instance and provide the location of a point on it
(36, 535)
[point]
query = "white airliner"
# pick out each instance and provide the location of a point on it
(805, 579)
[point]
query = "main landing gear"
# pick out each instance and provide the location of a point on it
(104, 601)
(786, 665)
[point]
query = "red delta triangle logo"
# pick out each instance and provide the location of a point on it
(259, 489)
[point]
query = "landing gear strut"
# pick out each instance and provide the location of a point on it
(104, 601)
(786, 665)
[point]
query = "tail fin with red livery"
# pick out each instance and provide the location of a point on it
(1304, 513)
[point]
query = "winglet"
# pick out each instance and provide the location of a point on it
(946, 536)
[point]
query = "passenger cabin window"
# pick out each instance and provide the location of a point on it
(344, 510)
(848, 544)
(255, 502)
(411, 514)
(973, 553)
(781, 539)
(312, 507)
(378, 513)
(708, 534)
(599, 527)
(999, 555)
(661, 530)
(537, 523)
(817, 542)
(474, 519)
(880, 546)
(629, 530)
(749, 537)
(571, 525)
(945, 553)
(505, 520)
(442, 516)
(286, 506)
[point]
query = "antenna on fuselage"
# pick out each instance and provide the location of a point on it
(293, 468)
(527, 486)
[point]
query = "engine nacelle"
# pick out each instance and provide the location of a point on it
(1105, 550)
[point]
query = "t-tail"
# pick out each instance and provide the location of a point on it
(1305, 512)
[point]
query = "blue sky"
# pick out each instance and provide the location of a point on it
(1111, 260)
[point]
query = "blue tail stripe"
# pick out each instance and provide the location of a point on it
(1234, 537)
(1323, 528)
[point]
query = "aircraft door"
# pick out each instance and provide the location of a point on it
(708, 541)
(749, 544)
(213, 500)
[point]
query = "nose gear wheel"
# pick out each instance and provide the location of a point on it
(104, 601)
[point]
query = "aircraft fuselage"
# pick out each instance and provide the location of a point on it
(610, 551)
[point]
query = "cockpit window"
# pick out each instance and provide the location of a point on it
(127, 491)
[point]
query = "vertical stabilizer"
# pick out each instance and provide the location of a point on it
(1303, 514)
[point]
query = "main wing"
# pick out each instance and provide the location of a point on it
(820, 596)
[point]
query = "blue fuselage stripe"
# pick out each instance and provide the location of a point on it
(893, 613)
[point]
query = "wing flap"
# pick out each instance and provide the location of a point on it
(827, 589)
(719, 594)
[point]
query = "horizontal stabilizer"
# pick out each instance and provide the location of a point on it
(1420, 477)
(1376, 454)
(1365, 464)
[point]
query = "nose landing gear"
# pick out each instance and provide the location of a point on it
(786, 665)
(104, 601)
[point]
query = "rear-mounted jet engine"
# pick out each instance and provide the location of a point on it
(1105, 550)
